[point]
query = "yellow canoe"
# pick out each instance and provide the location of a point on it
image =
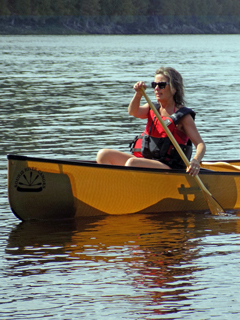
(60, 189)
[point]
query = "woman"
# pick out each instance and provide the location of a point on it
(160, 153)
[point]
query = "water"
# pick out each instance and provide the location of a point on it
(67, 97)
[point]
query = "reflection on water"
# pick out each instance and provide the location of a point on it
(150, 265)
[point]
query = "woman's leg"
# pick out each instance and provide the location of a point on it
(118, 158)
(114, 157)
(145, 163)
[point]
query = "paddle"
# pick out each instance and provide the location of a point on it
(213, 205)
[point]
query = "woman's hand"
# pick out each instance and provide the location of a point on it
(194, 167)
(137, 87)
(134, 108)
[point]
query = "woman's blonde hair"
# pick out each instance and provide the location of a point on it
(176, 83)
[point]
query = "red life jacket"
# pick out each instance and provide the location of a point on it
(154, 143)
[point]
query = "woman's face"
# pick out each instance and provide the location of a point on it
(165, 94)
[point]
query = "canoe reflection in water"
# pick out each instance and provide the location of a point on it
(156, 256)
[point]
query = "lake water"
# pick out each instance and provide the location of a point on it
(67, 97)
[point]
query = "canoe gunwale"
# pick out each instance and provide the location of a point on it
(114, 167)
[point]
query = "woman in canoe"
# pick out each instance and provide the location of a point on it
(153, 149)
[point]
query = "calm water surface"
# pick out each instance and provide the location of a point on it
(67, 97)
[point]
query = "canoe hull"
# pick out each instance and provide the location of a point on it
(54, 189)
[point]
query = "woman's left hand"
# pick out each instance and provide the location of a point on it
(194, 168)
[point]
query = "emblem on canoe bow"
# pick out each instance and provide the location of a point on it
(30, 180)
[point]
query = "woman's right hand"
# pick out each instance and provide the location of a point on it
(137, 87)
(134, 108)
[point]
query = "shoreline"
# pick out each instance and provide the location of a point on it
(117, 25)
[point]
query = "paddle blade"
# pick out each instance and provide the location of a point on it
(213, 205)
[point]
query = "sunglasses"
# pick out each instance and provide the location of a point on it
(161, 85)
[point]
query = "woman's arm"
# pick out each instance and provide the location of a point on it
(191, 131)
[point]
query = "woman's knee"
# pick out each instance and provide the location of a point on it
(103, 155)
(114, 157)
(131, 162)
